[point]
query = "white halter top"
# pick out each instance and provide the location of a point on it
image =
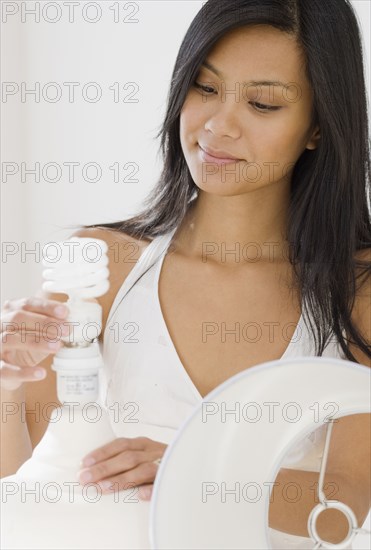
(146, 388)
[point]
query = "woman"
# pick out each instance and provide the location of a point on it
(255, 241)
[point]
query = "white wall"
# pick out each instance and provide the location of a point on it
(103, 132)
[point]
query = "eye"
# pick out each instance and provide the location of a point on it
(206, 89)
(261, 107)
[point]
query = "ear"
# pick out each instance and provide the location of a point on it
(314, 139)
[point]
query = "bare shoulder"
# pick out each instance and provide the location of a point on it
(120, 245)
(361, 312)
(123, 253)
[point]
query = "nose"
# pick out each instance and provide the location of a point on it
(224, 120)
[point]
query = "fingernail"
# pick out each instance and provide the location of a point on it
(88, 461)
(60, 311)
(65, 330)
(146, 492)
(53, 345)
(86, 476)
(39, 373)
(106, 485)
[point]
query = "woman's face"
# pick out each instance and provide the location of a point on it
(230, 116)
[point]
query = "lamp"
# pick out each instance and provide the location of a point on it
(238, 436)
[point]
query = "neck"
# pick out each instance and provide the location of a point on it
(233, 230)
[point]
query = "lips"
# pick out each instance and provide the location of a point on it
(218, 154)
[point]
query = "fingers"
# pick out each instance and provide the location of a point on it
(31, 329)
(27, 341)
(115, 447)
(144, 472)
(12, 377)
(122, 462)
(50, 308)
(119, 463)
(31, 322)
(26, 335)
(20, 319)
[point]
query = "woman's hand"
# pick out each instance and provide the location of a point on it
(124, 463)
(31, 329)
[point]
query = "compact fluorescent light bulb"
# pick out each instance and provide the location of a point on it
(79, 269)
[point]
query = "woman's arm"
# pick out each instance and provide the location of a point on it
(15, 443)
(347, 479)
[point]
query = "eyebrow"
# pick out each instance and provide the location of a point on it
(251, 82)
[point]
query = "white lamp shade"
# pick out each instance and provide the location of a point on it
(215, 450)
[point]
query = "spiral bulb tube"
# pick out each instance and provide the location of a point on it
(75, 270)
(78, 267)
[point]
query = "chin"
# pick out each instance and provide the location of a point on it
(215, 186)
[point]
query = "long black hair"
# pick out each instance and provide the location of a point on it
(329, 217)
